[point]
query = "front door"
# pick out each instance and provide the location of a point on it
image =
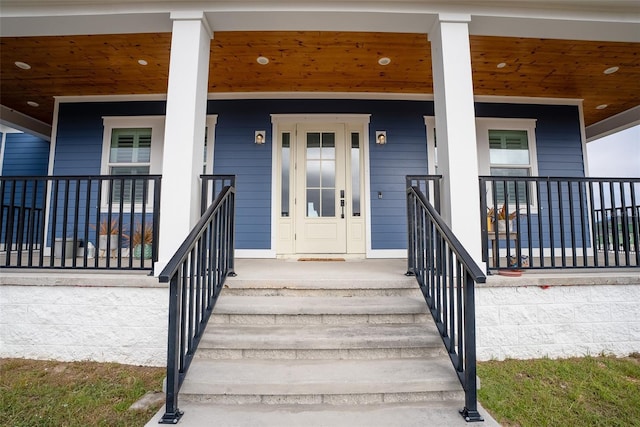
(320, 189)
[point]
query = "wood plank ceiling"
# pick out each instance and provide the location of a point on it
(317, 62)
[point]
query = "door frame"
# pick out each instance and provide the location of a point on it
(353, 123)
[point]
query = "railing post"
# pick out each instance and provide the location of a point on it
(172, 414)
(411, 253)
(470, 411)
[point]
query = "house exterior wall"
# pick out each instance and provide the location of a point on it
(25, 154)
(123, 324)
(78, 150)
(574, 317)
(127, 323)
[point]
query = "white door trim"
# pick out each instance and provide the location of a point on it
(280, 121)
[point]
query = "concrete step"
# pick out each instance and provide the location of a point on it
(335, 382)
(421, 414)
(399, 286)
(365, 341)
(318, 310)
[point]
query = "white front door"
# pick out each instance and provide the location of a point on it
(320, 180)
(320, 183)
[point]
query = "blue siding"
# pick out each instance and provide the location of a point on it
(235, 153)
(25, 154)
(558, 137)
(80, 130)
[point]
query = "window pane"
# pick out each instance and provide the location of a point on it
(121, 189)
(313, 173)
(355, 174)
(328, 146)
(313, 145)
(510, 187)
(328, 202)
(130, 146)
(508, 147)
(284, 173)
(313, 203)
(328, 171)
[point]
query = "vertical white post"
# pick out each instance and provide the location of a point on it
(455, 129)
(184, 131)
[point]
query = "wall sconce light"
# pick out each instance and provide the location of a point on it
(381, 137)
(260, 137)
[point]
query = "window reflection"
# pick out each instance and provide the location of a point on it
(321, 174)
(355, 173)
(284, 177)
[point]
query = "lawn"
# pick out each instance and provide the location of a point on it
(49, 393)
(589, 391)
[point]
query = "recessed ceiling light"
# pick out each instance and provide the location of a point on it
(501, 65)
(142, 62)
(262, 60)
(602, 106)
(22, 65)
(33, 104)
(384, 61)
(611, 70)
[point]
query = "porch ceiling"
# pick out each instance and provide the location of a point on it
(312, 61)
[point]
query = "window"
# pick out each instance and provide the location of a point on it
(129, 154)
(131, 146)
(506, 147)
(509, 157)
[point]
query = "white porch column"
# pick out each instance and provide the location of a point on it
(184, 131)
(455, 129)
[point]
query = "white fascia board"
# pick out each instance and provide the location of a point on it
(24, 123)
(611, 125)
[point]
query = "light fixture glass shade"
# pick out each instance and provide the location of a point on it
(381, 137)
(260, 137)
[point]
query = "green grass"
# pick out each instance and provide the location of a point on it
(589, 391)
(48, 393)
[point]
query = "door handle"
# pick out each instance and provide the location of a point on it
(342, 203)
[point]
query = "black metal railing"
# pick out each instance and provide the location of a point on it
(447, 276)
(196, 274)
(212, 186)
(429, 185)
(97, 222)
(550, 222)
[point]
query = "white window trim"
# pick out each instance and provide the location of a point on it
(212, 121)
(156, 123)
(483, 125)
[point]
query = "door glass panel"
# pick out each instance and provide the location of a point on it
(313, 145)
(328, 202)
(313, 203)
(328, 146)
(355, 174)
(321, 174)
(284, 173)
(313, 173)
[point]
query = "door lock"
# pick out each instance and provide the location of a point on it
(342, 203)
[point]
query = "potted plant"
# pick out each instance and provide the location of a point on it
(142, 240)
(111, 230)
(502, 215)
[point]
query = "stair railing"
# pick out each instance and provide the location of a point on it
(447, 275)
(196, 274)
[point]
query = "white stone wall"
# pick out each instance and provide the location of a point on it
(556, 320)
(99, 323)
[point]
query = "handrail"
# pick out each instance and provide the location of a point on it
(429, 185)
(211, 186)
(446, 274)
(196, 275)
